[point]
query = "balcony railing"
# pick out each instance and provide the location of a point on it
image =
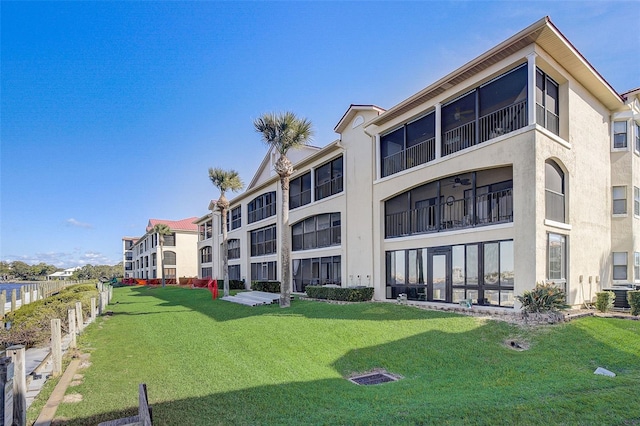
(488, 209)
(411, 157)
(503, 121)
(459, 138)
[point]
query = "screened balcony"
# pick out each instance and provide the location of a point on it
(497, 107)
(470, 200)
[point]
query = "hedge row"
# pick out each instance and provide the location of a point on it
(31, 323)
(348, 294)
(268, 286)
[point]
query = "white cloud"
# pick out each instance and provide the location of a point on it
(78, 224)
(63, 260)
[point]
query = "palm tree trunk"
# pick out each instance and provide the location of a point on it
(285, 282)
(162, 259)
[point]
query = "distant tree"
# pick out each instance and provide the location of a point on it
(161, 229)
(225, 180)
(283, 132)
(20, 270)
(5, 269)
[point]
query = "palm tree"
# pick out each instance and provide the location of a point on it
(161, 229)
(225, 180)
(283, 132)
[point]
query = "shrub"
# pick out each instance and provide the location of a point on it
(348, 294)
(604, 300)
(237, 285)
(543, 298)
(634, 301)
(31, 323)
(268, 286)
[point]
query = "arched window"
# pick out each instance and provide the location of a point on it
(554, 185)
(169, 257)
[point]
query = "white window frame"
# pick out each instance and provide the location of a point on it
(616, 260)
(625, 133)
(636, 146)
(636, 201)
(636, 266)
(614, 199)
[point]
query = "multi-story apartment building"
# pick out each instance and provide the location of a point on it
(127, 256)
(520, 166)
(179, 251)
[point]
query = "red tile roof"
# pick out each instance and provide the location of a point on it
(175, 225)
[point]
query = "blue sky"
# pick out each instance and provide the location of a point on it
(112, 112)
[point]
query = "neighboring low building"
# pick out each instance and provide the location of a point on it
(518, 167)
(62, 275)
(179, 251)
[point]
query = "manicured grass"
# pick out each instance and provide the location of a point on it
(208, 363)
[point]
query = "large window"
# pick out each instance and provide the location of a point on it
(557, 259)
(409, 146)
(205, 254)
(206, 272)
(234, 218)
(315, 232)
(620, 265)
(170, 273)
(637, 146)
(636, 266)
(263, 271)
(554, 192)
(262, 207)
(329, 179)
(233, 248)
(234, 272)
(170, 240)
(482, 272)
(300, 191)
(263, 241)
(619, 199)
(547, 106)
(204, 231)
(316, 271)
(619, 134)
(169, 257)
(636, 201)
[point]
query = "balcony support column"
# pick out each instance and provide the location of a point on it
(438, 141)
(531, 87)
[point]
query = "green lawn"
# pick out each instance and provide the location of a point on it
(208, 363)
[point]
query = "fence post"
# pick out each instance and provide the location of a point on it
(79, 317)
(32, 294)
(17, 354)
(93, 309)
(56, 347)
(13, 300)
(3, 302)
(72, 327)
(110, 293)
(22, 296)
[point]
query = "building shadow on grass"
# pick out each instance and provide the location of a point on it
(448, 378)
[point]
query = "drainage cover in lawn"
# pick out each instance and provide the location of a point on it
(373, 379)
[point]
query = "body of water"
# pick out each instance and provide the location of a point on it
(8, 286)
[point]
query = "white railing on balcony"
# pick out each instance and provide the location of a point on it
(411, 157)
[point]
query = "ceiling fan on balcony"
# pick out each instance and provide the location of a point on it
(458, 181)
(459, 115)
